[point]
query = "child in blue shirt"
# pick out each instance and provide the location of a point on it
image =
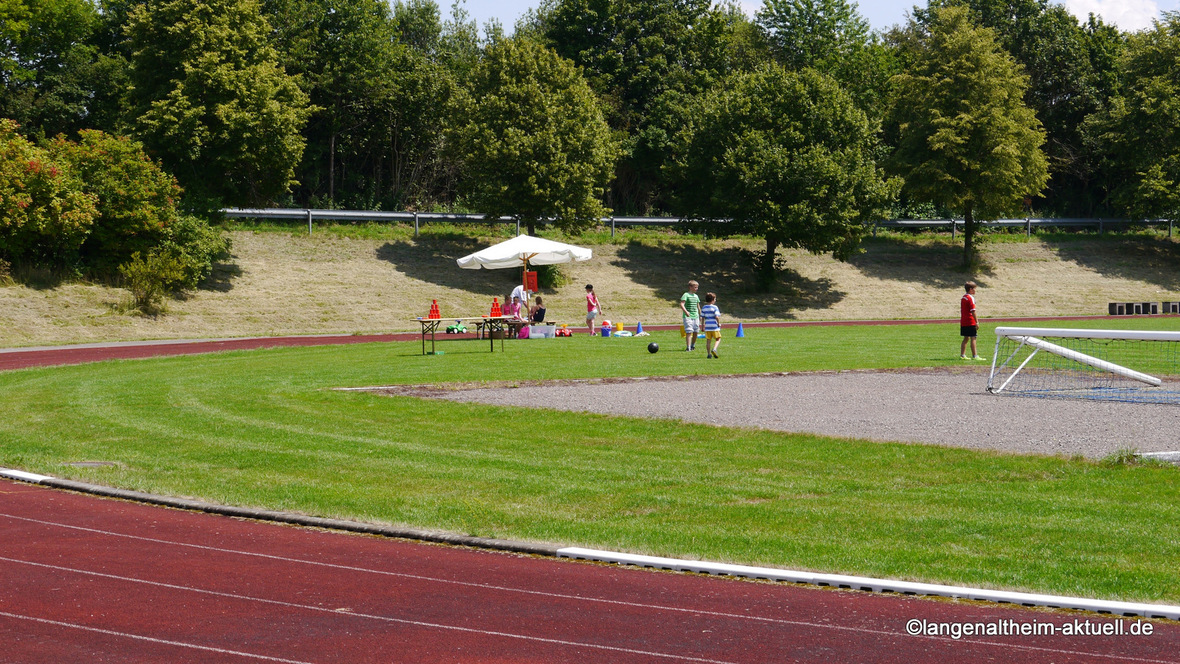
(711, 317)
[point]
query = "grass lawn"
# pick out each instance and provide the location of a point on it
(263, 428)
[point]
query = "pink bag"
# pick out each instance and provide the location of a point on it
(524, 332)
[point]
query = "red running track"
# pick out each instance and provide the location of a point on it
(86, 579)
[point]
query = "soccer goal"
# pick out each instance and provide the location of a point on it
(1110, 365)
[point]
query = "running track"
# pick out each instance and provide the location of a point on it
(87, 579)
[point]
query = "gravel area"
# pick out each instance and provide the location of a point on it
(942, 408)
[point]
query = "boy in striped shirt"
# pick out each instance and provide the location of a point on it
(711, 316)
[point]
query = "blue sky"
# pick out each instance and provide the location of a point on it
(1127, 14)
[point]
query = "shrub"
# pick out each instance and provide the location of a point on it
(195, 246)
(150, 279)
(137, 200)
(45, 215)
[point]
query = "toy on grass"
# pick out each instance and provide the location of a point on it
(653, 347)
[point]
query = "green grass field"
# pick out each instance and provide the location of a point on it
(265, 429)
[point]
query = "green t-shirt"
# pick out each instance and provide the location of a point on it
(692, 302)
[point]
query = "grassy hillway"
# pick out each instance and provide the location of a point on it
(367, 279)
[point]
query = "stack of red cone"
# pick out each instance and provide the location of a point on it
(434, 310)
(495, 308)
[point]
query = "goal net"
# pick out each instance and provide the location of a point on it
(1110, 365)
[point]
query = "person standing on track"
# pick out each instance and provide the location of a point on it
(690, 305)
(968, 323)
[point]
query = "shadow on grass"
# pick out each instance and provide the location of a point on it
(221, 280)
(727, 271)
(431, 258)
(1132, 257)
(932, 264)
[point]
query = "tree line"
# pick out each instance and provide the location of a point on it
(795, 125)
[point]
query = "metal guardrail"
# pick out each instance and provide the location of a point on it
(419, 217)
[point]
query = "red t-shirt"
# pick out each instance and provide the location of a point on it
(967, 310)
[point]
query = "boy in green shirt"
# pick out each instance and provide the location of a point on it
(690, 304)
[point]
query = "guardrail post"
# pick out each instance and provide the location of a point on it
(612, 228)
(309, 222)
(1100, 227)
(415, 224)
(874, 229)
(954, 227)
(1027, 227)
(518, 225)
(1169, 228)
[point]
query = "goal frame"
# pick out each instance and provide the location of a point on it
(1033, 337)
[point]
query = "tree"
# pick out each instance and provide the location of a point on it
(532, 138)
(374, 138)
(966, 140)
(53, 77)
(786, 156)
(832, 37)
(211, 101)
(1138, 132)
(1070, 69)
(642, 58)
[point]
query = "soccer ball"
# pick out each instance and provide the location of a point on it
(653, 347)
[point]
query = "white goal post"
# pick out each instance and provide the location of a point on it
(1081, 363)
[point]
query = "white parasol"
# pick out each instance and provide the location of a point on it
(522, 250)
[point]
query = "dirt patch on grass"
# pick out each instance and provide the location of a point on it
(280, 283)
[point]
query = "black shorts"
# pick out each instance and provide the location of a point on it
(968, 330)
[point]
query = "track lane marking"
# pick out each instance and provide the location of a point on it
(371, 616)
(704, 612)
(150, 639)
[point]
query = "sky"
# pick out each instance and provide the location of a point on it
(1129, 15)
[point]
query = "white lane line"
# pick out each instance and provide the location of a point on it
(140, 637)
(582, 598)
(401, 621)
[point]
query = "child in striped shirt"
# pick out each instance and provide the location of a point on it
(711, 316)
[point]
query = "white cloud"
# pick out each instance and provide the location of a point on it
(1130, 15)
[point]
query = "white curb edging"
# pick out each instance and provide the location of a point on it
(724, 569)
(877, 585)
(23, 476)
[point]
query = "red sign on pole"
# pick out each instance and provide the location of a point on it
(530, 282)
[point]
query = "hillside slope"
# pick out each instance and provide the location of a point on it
(279, 283)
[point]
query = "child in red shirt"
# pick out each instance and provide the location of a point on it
(968, 323)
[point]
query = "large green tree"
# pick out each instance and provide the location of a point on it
(54, 75)
(1138, 132)
(966, 140)
(1071, 71)
(830, 36)
(786, 156)
(533, 139)
(380, 101)
(210, 99)
(644, 59)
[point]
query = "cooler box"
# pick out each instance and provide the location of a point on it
(542, 331)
